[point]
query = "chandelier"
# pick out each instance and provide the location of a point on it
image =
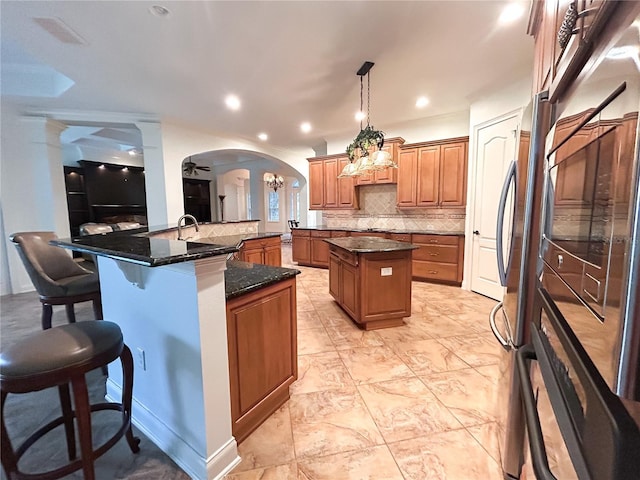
(365, 152)
(274, 181)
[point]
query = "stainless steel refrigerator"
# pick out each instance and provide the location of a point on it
(517, 252)
(575, 391)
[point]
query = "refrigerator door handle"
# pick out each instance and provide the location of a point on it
(532, 420)
(504, 343)
(502, 205)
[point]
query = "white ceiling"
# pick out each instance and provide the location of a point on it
(289, 62)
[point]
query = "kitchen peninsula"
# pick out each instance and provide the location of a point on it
(195, 323)
(370, 278)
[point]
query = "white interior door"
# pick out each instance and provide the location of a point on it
(496, 149)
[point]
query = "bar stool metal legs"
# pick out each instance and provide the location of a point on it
(97, 342)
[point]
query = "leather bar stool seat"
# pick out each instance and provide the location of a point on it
(61, 356)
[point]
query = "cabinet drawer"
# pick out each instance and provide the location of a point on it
(436, 271)
(320, 233)
(344, 256)
(339, 234)
(400, 237)
(437, 253)
(420, 238)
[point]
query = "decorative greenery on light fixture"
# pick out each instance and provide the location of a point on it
(367, 138)
(360, 159)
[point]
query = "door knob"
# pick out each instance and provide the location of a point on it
(476, 232)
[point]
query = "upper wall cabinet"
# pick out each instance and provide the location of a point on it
(565, 32)
(388, 175)
(433, 174)
(326, 190)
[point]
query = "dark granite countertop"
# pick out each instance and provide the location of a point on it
(346, 229)
(149, 251)
(153, 252)
(369, 244)
(236, 240)
(242, 277)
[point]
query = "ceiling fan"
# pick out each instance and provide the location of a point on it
(191, 168)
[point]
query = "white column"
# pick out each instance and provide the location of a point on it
(33, 190)
(163, 179)
(173, 319)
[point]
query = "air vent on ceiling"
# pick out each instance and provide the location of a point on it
(60, 30)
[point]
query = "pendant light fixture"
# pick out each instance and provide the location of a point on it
(274, 181)
(362, 161)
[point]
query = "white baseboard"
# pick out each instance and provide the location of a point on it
(220, 463)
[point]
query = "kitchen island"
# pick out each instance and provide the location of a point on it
(169, 297)
(370, 278)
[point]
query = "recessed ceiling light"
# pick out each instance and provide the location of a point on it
(511, 12)
(263, 136)
(305, 127)
(232, 102)
(360, 116)
(422, 102)
(159, 11)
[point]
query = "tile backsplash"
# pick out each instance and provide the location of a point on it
(378, 210)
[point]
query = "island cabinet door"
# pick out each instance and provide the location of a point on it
(300, 246)
(252, 255)
(350, 289)
(334, 277)
(273, 255)
(262, 343)
(320, 248)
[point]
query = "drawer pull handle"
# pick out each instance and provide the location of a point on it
(433, 241)
(433, 271)
(434, 254)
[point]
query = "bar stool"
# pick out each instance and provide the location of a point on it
(61, 356)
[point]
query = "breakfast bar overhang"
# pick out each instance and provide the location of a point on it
(168, 297)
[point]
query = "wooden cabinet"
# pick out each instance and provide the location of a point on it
(433, 174)
(388, 175)
(556, 66)
(373, 288)
(301, 246)
(262, 250)
(263, 363)
(320, 248)
(400, 237)
(440, 258)
(326, 190)
(316, 185)
(77, 203)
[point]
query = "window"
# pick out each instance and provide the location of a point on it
(294, 201)
(274, 207)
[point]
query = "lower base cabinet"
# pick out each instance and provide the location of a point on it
(373, 288)
(262, 250)
(263, 360)
(440, 258)
(301, 246)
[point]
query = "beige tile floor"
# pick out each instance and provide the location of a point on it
(414, 402)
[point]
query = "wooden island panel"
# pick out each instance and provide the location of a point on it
(373, 287)
(262, 343)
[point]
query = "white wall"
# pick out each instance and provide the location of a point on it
(32, 177)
